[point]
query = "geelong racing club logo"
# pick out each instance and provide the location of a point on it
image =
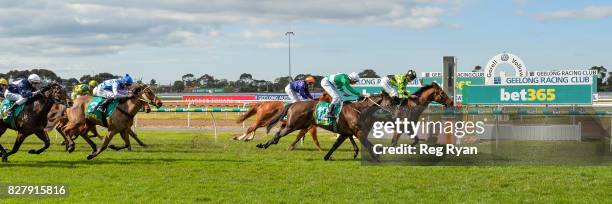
(505, 57)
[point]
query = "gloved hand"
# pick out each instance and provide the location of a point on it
(365, 95)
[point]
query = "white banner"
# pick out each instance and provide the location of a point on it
(563, 73)
(547, 80)
(376, 82)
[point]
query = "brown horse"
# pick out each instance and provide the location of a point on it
(119, 122)
(415, 107)
(59, 120)
(264, 111)
(302, 114)
(33, 118)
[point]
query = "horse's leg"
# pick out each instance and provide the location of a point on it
(395, 139)
(94, 131)
(249, 130)
(91, 143)
(297, 139)
(68, 142)
(42, 135)
(126, 139)
(18, 141)
(337, 144)
(281, 133)
(105, 143)
(2, 150)
(2, 153)
(366, 144)
(355, 147)
(315, 139)
(135, 137)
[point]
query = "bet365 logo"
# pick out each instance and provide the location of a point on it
(526, 95)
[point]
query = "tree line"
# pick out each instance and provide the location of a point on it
(207, 83)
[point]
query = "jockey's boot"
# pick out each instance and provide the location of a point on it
(102, 106)
(330, 111)
(9, 111)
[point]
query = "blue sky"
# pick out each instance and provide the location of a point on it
(166, 39)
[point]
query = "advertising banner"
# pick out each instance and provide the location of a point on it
(219, 97)
(528, 94)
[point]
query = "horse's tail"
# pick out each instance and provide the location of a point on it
(252, 110)
(277, 118)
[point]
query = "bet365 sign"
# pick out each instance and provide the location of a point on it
(528, 94)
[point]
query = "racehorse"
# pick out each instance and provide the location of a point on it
(33, 118)
(119, 122)
(302, 114)
(59, 120)
(264, 111)
(425, 95)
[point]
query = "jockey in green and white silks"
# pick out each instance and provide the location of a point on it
(395, 85)
(335, 83)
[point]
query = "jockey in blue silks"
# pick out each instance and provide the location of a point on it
(299, 87)
(20, 91)
(113, 89)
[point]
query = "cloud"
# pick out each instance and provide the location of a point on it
(248, 34)
(589, 12)
(279, 45)
(101, 27)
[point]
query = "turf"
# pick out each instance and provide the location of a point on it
(186, 167)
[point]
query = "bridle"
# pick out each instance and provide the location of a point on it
(143, 97)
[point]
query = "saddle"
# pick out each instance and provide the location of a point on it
(92, 112)
(6, 104)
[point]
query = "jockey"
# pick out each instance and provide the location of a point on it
(3, 85)
(83, 89)
(112, 89)
(339, 82)
(299, 86)
(20, 91)
(395, 85)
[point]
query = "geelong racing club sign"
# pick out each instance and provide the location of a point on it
(504, 58)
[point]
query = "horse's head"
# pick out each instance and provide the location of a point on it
(434, 92)
(55, 92)
(144, 93)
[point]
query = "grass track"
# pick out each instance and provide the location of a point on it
(185, 167)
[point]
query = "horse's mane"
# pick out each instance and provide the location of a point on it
(423, 89)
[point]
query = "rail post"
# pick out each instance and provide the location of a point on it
(188, 115)
(214, 124)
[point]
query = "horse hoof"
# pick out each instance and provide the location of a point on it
(32, 151)
(290, 148)
(90, 157)
(261, 146)
(235, 138)
(70, 148)
(4, 158)
(113, 147)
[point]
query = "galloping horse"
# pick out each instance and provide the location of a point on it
(33, 118)
(265, 111)
(59, 120)
(301, 115)
(119, 122)
(425, 95)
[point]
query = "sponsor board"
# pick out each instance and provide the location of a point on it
(528, 94)
(218, 97)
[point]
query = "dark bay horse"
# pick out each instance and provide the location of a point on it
(120, 121)
(264, 112)
(413, 108)
(33, 118)
(302, 115)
